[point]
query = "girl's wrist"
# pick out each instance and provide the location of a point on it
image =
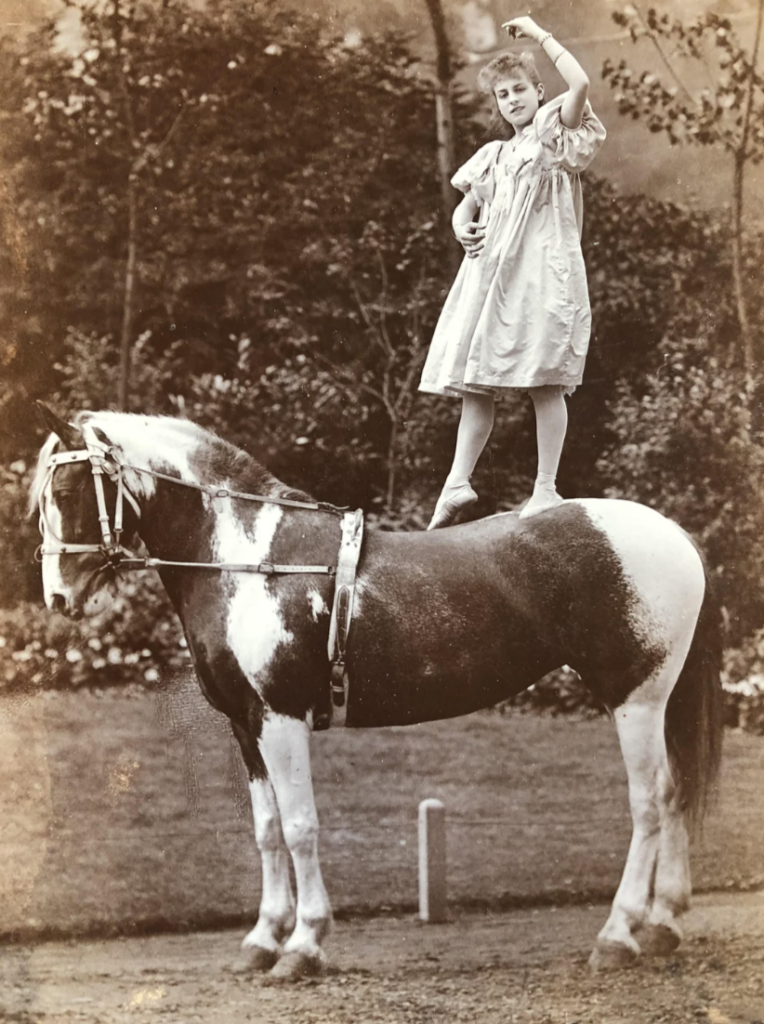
(551, 47)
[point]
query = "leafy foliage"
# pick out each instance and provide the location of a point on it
(682, 443)
(717, 114)
(728, 111)
(290, 268)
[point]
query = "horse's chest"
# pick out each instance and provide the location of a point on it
(254, 627)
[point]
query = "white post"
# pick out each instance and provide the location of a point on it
(432, 861)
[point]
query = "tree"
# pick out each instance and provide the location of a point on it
(444, 120)
(728, 111)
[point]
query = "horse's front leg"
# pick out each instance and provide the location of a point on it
(285, 748)
(261, 947)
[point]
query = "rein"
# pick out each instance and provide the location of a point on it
(117, 557)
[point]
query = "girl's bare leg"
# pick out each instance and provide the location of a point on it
(551, 427)
(475, 428)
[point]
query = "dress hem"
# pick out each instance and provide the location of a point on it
(459, 390)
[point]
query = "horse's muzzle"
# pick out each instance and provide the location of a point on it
(71, 609)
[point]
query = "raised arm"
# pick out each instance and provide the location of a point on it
(578, 82)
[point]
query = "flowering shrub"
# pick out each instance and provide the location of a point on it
(744, 685)
(559, 693)
(132, 641)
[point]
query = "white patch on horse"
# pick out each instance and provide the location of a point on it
(52, 526)
(317, 605)
(255, 627)
(661, 564)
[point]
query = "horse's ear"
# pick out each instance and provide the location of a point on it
(69, 436)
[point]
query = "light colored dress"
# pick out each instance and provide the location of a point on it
(518, 315)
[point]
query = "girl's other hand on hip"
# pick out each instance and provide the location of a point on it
(472, 238)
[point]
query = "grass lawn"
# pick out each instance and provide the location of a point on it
(130, 811)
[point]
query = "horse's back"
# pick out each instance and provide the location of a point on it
(457, 619)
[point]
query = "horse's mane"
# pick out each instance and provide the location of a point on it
(166, 444)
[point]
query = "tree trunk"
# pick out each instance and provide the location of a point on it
(444, 117)
(445, 137)
(126, 340)
(738, 258)
(392, 466)
(737, 268)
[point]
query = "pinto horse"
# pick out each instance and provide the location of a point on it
(445, 623)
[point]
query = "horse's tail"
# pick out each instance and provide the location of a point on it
(694, 715)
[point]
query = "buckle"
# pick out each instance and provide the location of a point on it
(338, 684)
(113, 556)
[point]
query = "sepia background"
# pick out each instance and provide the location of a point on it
(234, 211)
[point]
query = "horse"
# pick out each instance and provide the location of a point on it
(444, 623)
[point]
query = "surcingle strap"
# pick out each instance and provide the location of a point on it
(342, 612)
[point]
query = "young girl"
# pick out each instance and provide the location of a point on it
(518, 313)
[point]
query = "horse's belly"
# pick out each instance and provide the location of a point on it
(392, 694)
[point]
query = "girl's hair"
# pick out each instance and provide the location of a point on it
(500, 67)
(504, 65)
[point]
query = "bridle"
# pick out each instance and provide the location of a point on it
(103, 460)
(117, 557)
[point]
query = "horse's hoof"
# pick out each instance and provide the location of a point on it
(658, 940)
(295, 966)
(611, 956)
(254, 959)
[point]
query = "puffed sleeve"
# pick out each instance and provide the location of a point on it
(476, 175)
(572, 148)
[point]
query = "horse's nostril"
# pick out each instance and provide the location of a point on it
(59, 603)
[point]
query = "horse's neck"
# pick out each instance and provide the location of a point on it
(174, 471)
(159, 448)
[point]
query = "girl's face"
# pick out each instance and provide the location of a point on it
(518, 98)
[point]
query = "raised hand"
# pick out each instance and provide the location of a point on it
(523, 26)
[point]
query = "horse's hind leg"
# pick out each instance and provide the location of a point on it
(284, 745)
(662, 932)
(640, 723)
(261, 947)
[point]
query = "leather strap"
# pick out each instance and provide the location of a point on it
(342, 616)
(119, 557)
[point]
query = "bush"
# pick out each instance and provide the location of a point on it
(744, 685)
(135, 640)
(683, 444)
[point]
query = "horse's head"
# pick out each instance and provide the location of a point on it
(82, 516)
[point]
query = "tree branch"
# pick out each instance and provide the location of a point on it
(662, 54)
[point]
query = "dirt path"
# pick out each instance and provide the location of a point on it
(527, 967)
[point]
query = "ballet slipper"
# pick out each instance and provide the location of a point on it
(449, 507)
(542, 500)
